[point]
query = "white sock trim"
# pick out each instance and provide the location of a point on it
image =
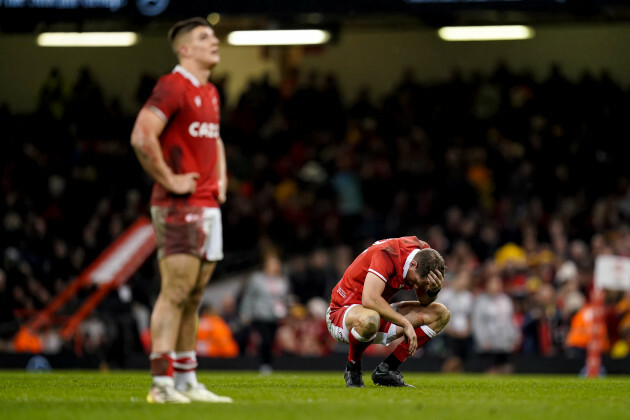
(428, 331)
(185, 366)
(356, 335)
(183, 354)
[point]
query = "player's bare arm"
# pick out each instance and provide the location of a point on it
(434, 280)
(221, 170)
(372, 298)
(146, 144)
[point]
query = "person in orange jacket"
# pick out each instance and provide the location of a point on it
(581, 333)
(26, 341)
(214, 337)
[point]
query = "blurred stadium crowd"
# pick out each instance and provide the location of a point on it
(519, 183)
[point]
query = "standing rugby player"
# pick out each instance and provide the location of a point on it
(176, 139)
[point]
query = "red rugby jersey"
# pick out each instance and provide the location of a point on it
(189, 140)
(389, 259)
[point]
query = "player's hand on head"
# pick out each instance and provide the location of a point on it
(435, 279)
(184, 183)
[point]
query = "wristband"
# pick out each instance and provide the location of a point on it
(433, 294)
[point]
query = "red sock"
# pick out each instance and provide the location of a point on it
(357, 348)
(161, 364)
(185, 362)
(424, 334)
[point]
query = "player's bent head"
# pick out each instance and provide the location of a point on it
(179, 31)
(429, 260)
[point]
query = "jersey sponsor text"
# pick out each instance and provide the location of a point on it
(204, 129)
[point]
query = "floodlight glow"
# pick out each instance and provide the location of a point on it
(87, 39)
(214, 19)
(279, 37)
(485, 33)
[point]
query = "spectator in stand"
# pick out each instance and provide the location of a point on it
(53, 95)
(229, 313)
(320, 275)
(458, 298)
(313, 334)
(264, 305)
(347, 185)
(494, 331)
(304, 331)
(621, 348)
(298, 278)
(287, 336)
(541, 324)
(581, 333)
(214, 338)
(512, 262)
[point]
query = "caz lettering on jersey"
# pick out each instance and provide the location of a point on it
(204, 129)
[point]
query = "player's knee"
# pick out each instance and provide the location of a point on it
(195, 298)
(447, 316)
(369, 324)
(442, 313)
(177, 295)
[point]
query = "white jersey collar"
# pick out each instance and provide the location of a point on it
(188, 75)
(408, 261)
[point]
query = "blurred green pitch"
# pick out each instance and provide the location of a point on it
(321, 395)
